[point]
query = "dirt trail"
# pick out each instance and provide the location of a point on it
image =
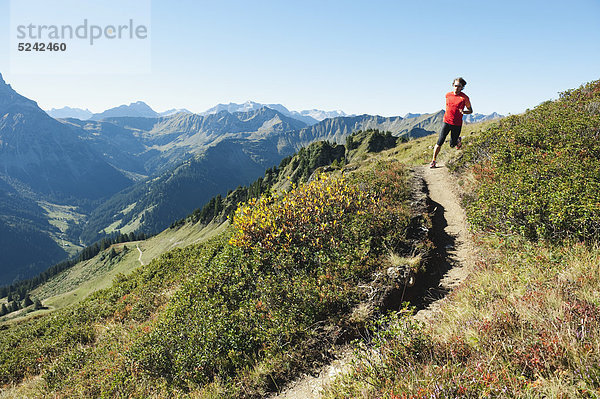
(456, 252)
(309, 386)
(455, 255)
(140, 257)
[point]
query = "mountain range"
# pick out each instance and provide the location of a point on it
(66, 183)
(194, 158)
(475, 118)
(310, 117)
(141, 109)
(68, 112)
(137, 109)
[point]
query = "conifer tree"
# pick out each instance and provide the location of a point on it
(27, 301)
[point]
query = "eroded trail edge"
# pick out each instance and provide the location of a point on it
(454, 256)
(455, 251)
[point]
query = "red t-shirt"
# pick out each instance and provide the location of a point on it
(454, 104)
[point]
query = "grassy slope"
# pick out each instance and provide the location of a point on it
(77, 283)
(526, 323)
(120, 341)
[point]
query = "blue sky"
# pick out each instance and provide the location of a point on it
(375, 57)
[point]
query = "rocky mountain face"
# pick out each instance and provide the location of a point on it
(45, 155)
(43, 167)
(474, 118)
(174, 111)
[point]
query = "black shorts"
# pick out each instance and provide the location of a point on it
(454, 131)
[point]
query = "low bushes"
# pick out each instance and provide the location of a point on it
(525, 326)
(285, 282)
(538, 173)
(232, 316)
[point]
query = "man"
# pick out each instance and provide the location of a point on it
(457, 105)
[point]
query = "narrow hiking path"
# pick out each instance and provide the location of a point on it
(455, 253)
(454, 256)
(140, 257)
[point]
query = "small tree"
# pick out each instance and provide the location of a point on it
(13, 306)
(37, 305)
(27, 301)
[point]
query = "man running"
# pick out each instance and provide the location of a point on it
(457, 105)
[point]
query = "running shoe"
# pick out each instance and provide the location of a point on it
(459, 143)
(432, 164)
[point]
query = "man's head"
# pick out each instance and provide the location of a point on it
(458, 84)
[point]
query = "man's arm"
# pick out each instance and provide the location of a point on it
(468, 110)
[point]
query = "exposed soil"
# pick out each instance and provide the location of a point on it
(141, 253)
(455, 253)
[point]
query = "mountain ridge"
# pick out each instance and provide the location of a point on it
(122, 151)
(68, 112)
(136, 109)
(310, 117)
(141, 109)
(44, 167)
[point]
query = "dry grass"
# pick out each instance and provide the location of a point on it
(525, 324)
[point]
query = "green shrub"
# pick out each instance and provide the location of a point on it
(291, 267)
(239, 312)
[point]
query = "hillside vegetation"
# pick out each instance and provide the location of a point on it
(526, 323)
(304, 266)
(71, 281)
(241, 313)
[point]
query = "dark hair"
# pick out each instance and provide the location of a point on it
(462, 82)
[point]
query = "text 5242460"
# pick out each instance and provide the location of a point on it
(42, 46)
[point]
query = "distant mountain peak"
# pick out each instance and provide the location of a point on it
(174, 111)
(474, 118)
(138, 105)
(10, 99)
(136, 109)
(309, 117)
(68, 112)
(320, 115)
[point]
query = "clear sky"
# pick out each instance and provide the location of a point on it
(375, 57)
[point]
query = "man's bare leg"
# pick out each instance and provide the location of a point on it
(436, 151)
